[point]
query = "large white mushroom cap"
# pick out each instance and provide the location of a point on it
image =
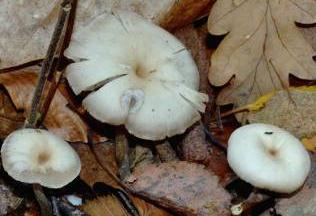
(38, 156)
(268, 157)
(143, 76)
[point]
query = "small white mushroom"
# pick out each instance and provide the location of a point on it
(268, 157)
(38, 156)
(148, 80)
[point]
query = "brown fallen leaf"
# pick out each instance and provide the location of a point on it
(10, 119)
(262, 47)
(146, 209)
(104, 206)
(27, 25)
(59, 119)
(184, 187)
(184, 12)
(292, 110)
(111, 206)
(91, 170)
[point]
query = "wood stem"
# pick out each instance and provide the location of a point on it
(47, 65)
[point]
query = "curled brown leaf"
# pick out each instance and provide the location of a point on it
(59, 119)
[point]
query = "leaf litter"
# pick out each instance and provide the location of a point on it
(27, 25)
(244, 87)
(187, 188)
(261, 48)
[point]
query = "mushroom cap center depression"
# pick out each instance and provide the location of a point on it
(43, 157)
(142, 72)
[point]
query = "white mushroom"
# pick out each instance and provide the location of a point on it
(148, 79)
(268, 157)
(38, 156)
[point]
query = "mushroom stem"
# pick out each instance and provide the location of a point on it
(46, 209)
(166, 152)
(122, 153)
(246, 205)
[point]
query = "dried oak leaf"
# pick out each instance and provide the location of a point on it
(262, 47)
(293, 110)
(27, 25)
(91, 169)
(59, 119)
(185, 187)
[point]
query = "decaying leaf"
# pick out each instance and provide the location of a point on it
(91, 170)
(310, 143)
(111, 206)
(262, 47)
(184, 12)
(59, 119)
(27, 25)
(10, 119)
(146, 209)
(185, 187)
(194, 145)
(104, 206)
(293, 110)
(195, 40)
(303, 202)
(8, 200)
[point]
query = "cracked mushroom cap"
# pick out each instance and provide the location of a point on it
(268, 157)
(38, 156)
(143, 76)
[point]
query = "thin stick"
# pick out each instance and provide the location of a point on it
(32, 119)
(47, 64)
(213, 139)
(56, 74)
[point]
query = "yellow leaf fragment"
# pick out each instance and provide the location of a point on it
(310, 143)
(292, 109)
(260, 102)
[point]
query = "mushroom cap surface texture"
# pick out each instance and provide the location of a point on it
(38, 156)
(142, 75)
(268, 157)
